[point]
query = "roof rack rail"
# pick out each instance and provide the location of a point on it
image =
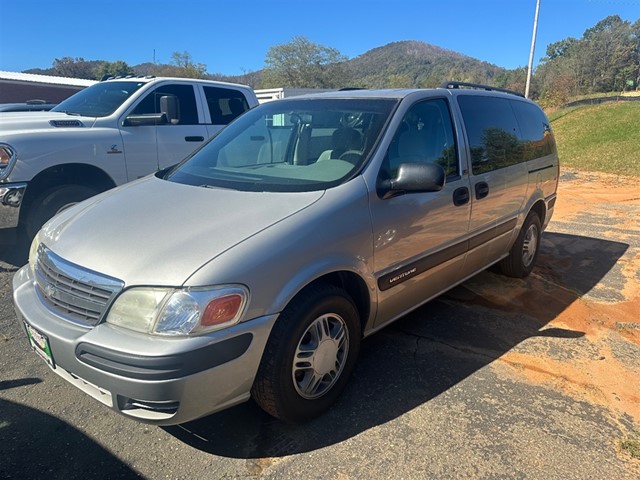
(456, 85)
(118, 77)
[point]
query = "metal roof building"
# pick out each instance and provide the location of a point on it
(22, 87)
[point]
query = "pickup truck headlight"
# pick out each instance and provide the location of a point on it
(170, 311)
(7, 159)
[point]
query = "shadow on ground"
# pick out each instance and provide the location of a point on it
(15, 250)
(36, 445)
(425, 353)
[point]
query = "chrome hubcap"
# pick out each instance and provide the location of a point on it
(530, 245)
(320, 356)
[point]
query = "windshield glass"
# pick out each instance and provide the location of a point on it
(98, 100)
(290, 145)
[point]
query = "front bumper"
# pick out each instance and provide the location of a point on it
(11, 195)
(163, 381)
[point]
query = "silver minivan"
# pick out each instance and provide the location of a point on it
(255, 267)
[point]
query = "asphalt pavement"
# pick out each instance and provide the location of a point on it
(439, 394)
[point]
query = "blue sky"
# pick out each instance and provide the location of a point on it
(231, 37)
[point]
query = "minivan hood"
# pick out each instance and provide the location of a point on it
(21, 121)
(156, 232)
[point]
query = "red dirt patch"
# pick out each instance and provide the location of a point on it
(604, 370)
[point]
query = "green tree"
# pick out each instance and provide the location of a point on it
(605, 59)
(184, 61)
(610, 50)
(113, 69)
(182, 65)
(73, 68)
(514, 79)
(304, 64)
(562, 77)
(561, 48)
(635, 64)
(396, 80)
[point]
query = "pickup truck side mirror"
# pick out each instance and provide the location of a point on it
(169, 114)
(146, 119)
(413, 178)
(171, 108)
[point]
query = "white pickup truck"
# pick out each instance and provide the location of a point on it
(110, 133)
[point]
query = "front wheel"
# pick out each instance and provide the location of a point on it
(523, 254)
(53, 201)
(310, 355)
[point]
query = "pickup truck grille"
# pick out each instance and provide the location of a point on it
(76, 294)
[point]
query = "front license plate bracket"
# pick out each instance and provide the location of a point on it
(40, 344)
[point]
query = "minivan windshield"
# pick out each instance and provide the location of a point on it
(290, 145)
(98, 100)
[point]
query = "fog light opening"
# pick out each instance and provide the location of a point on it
(147, 408)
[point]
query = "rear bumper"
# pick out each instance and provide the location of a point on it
(11, 195)
(163, 381)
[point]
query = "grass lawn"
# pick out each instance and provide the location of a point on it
(604, 138)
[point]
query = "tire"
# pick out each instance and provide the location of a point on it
(524, 252)
(53, 201)
(310, 355)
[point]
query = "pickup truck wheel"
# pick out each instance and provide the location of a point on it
(53, 201)
(310, 355)
(524, 252)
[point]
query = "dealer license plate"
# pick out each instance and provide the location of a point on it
(40, 344)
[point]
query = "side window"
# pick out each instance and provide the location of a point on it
(493, 133)
(224, 104)
(535, 129)
(187, 109)
(424, 136)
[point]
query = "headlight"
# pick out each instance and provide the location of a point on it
(33, 252)
(7, 159)
(169, 311)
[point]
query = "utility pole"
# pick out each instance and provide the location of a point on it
(533, 47)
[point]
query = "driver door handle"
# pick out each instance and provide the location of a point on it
(460, 196)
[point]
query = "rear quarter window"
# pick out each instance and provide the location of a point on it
(537, 138)
(493, 133)
(224, 104)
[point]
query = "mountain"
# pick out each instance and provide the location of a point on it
(417, 64)
(399, 64)
(406, 64)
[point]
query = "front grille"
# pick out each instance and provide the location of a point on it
(78, 295)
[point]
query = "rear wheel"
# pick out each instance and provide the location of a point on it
(310, 355)
(53, 201)
(523, 254)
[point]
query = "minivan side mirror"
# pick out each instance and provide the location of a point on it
(413, 178)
